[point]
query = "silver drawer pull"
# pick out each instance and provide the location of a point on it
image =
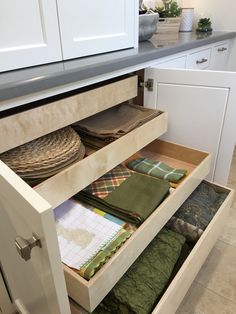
(201, 61)
(24, 246)
(221, 49)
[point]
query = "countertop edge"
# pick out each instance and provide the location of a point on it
(22, 87)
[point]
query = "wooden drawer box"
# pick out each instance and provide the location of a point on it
(90, 293)
(68, 182)
(28, 125)
(185, 276)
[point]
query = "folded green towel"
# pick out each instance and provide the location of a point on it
(133, 201)
(138, 290)
(156, 169)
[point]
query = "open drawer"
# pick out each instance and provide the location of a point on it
(55, 113)
(179, 286)
(90, 293)
(74, 178)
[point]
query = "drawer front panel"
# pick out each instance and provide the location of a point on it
(219, 56)
(184, 278)
(90, 293)
(199, 60)
(177, 63)
(31, 124)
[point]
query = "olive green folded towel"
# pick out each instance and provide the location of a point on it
(138, 290)
(133, 201)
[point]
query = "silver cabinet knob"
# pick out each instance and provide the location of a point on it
(24, 246)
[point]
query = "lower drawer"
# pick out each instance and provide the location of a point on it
(90, 293)
(185, 276)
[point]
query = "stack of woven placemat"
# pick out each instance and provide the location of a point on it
(44, 157)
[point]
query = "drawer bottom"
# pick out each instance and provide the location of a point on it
(183, 279)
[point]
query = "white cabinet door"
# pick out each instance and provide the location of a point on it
(29, 33)
(91, 27)
(202, 112)
(37, 285)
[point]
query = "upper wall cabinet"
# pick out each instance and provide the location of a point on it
(91, 27)
(29, 33)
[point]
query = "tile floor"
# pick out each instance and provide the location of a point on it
(214, 289)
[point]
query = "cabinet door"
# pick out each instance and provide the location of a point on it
(91, 27)
(29, 33)
(37, 285)
(201, 109)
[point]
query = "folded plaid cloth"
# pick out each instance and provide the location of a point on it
(139, 289)
(92, 266)
(133, 201)
(156, 169)
(108, 182)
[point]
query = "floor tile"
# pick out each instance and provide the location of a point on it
(200, 300)
(219, 271)
(229, 232)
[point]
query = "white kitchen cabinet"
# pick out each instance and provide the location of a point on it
(91, 27)
(201, 108)
(29, 33)
(37, 285)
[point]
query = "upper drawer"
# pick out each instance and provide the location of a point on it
(90, 293)
(71, 180)
(219, 56)
(199, 60)
(28, 125)
(176, 63)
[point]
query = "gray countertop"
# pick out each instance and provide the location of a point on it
(35, 79)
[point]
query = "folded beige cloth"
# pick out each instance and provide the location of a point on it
(116, 121)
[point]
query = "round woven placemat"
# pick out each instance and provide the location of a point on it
(46, 154)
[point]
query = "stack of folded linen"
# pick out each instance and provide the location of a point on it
(42, 158)
(125, 194)
(139, 289)
(109, 125)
